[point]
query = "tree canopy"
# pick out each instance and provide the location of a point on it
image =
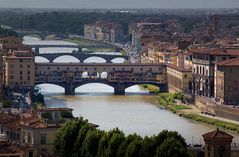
(78, 138)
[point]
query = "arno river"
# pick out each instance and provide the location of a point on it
(132, 113)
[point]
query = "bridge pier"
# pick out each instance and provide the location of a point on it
(79, 50)
(69, 89)
(119, 89)
(37, 50)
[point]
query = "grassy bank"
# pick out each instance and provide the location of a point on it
(150, 88)
(84, 42)
(168, 100)
(211, 121)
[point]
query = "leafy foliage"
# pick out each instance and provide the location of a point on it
(7, 32)
(78, 138)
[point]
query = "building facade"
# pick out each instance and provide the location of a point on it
(104, 31)
(179, 79)
(217, 144)
(227, 82)
(203, 69)
(19, 70)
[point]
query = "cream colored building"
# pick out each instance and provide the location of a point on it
(227, 82)
(19, 70)
(11, 44)
(179, 79)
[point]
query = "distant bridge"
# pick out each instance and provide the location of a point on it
(119, 76)
(80, 56)
(37, 47)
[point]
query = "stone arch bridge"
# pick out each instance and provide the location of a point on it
(80, 56)
(119, 76)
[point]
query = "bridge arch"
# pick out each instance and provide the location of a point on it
(98, 88)
(85, 74)
(51, 88)
(40, 59)
(66, 59)
(103, 75)
(118, 60)
(94, 59)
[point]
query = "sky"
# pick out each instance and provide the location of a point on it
(119, 4)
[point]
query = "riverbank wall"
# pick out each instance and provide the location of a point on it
(212, 108)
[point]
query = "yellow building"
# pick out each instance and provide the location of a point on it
(227, 82)
(179, 79)
(19, 70)
(11, 43)
(38, 136)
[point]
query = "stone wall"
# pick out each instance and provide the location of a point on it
(206, 105)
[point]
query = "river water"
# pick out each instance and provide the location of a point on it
(133, 113)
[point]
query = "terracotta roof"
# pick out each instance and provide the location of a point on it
(5, 118)
(234, 52)
(211, 51)
(13, 125)
(33, 122)
(217, 134)
(229, 62)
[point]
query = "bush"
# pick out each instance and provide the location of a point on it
(5, 103)
(178, 95)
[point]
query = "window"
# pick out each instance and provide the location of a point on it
(42, 138)
(12, 72)
(28, 78)
(29, 138)
(20, 77)
(30, 154)
(185, 76)
(11, 66)
(11, 77)
(20, 65)
(20, 72)
(28, 72)
(20, 60)
(28, 66)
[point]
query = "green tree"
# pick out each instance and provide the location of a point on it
(66, 136)
(133, 149)
(91, 143)
(171, 147)
(116, 136)
(77, 150)
(103, 145)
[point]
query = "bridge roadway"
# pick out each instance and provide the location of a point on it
(119, 76)
(80, 56)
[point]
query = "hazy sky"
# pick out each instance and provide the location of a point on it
(119, 3)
